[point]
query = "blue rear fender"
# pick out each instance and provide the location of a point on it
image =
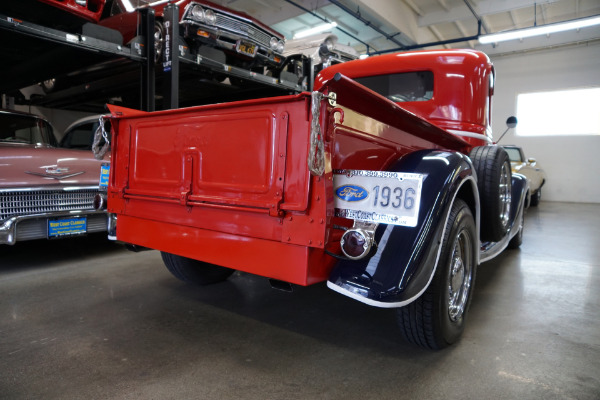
(405, 259)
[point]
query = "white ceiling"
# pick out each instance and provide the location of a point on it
(382, 25)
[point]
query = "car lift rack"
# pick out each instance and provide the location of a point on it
(35, 53)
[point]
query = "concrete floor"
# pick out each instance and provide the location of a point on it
(86, 319)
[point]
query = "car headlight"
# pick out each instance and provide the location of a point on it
(280, 46)
(197, 13)
(210, 17)
(273, 43)
(329, 45)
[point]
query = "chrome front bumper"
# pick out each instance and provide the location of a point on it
(35, 226)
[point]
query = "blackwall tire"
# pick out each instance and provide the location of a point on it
(535, 199)
(494, 179)
(194, 271)
(517, 240)
(437, 318)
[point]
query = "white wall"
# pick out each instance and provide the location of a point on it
(572, 164)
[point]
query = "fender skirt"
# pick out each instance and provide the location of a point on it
(404, 261)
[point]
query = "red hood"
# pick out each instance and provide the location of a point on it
(35, 166)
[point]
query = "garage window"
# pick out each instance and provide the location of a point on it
(559, 113)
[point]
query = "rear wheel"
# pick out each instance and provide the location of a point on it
(194, 271)
(494, 179)
(437, 318)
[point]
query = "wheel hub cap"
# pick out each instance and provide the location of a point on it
(459, 281)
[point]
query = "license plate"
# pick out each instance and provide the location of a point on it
(104, 174)
(378, 196)
(67, 227)
(246, 48)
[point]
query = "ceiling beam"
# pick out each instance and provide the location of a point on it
(482, 8)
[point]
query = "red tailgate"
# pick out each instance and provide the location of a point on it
(221, 158)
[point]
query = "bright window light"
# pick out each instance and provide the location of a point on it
(315, 30)
(559, 113)
(540, 30)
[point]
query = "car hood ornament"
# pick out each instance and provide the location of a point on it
(56, 172)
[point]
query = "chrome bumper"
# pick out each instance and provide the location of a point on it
(35, 226)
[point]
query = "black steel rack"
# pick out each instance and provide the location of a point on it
(99, 69)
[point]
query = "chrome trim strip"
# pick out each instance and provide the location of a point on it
(56, 188)
(471, 135)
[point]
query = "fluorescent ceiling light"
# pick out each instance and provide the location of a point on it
(128, 6)
(315, 30)
(539, 30)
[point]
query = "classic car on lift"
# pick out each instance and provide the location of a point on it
(45, 192)
(55, 13)
(209, 29)
(529, 167)
(324, 49)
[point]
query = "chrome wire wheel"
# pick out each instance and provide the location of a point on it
(505, 195)
(460, 277)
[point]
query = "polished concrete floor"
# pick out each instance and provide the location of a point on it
(86, 319)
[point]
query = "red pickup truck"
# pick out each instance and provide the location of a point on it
(384, 182)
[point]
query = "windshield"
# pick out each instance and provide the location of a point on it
(405, 86)
(513, 154)
(17, 128)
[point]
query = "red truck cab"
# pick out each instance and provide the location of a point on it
(452, 90)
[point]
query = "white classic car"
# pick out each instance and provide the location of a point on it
(530, 168)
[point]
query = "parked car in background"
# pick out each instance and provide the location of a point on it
(80, 134)
(324, 49)
(530, 168)
(210, 30)
(45, 192)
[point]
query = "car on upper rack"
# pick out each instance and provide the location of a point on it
(324, 49)
(58, 14)
(530, 168)
(210, 30)
(45, 192)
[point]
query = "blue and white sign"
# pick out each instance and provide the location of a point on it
(104, 174)
(67, 227)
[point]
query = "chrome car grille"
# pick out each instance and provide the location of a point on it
(248, 30)
(29, 202)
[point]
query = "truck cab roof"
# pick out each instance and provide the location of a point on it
(450, 88)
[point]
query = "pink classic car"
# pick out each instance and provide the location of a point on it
(45, 191)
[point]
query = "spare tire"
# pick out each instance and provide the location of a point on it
(494, 179)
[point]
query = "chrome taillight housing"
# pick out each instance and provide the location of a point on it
(357, 242)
